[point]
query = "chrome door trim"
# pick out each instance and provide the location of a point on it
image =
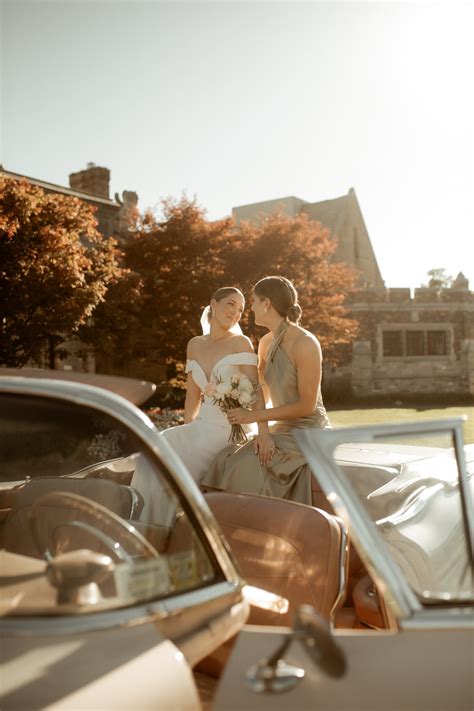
(153, 611)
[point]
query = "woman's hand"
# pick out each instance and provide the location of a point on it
(240, 416)
(264, 447)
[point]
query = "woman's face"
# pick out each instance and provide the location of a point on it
(228, 311)
(258, 307)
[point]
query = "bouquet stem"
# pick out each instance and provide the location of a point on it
(237, 435)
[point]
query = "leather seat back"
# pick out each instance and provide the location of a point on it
(292, 550)
(16, 535)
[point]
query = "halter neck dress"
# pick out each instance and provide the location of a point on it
(287, 476)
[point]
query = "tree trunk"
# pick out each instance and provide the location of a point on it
(51, 352)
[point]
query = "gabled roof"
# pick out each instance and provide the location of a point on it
(330, 213)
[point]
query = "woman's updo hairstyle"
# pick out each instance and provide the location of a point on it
(282, 294)
(222, 293)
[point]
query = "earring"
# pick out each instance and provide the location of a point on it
(265, 309)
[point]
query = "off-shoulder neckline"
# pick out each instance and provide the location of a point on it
(193, 360)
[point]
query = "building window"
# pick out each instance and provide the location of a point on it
(413, 342)
(392, 343)
(436, 343)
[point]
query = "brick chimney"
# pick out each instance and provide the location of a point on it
(93, 179)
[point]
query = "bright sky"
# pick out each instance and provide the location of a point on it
(239, 102)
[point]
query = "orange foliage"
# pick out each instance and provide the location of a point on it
(55, 268)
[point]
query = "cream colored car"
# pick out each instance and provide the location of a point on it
(109, 600)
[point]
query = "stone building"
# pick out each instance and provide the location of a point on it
(412, 345)
(420, 344)
(92, 186)
(345, 221)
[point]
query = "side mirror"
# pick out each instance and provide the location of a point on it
(275, 675)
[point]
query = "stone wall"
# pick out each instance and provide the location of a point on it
(447, 310)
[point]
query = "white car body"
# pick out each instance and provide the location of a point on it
(133, 640)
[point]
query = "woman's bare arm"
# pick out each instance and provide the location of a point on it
(307, 359)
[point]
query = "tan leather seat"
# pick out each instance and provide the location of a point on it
(284, 547)
(318, 497)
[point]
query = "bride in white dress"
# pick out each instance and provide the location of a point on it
(222, 350)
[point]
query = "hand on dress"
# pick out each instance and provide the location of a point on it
(264, 446)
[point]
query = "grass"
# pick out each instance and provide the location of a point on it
(359, 417)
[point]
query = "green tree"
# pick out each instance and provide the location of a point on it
(55, 268)
(439, 279)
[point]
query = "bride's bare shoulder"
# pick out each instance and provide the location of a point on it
(194, 345)
(242, 344)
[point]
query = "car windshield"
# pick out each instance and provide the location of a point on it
(408, 487)
(89, 518)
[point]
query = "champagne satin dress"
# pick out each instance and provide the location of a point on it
(238, 469)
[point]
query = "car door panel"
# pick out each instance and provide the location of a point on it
(412, 670)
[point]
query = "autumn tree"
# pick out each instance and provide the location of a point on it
(179, 257)
(182, 258)
(114, 321)
(300, 249)
(55, 268)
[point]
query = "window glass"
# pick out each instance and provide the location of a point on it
(414, 343)
(392, 343)
(437, 343)
(410, 488)
(80, 493)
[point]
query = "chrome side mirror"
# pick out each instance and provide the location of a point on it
(274, 675)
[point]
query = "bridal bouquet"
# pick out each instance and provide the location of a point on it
(234, 391)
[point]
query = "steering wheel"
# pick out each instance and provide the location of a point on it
(52, 531)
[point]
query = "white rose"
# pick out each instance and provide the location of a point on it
(245, 399)
(223, 389)
(246, 384)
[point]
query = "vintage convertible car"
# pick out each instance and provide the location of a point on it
(108, 600)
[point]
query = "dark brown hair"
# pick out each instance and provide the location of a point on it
(282, 294)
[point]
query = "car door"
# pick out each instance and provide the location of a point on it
(406, 497)
(109, 594)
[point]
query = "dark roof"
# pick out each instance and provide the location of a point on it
(52, 187)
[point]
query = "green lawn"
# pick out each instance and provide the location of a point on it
(355, 418)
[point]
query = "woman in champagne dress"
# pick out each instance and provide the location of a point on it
(290, 370)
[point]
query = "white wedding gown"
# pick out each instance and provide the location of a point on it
(197, 442)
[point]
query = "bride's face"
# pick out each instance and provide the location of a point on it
(258, 307)
(228, 311)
